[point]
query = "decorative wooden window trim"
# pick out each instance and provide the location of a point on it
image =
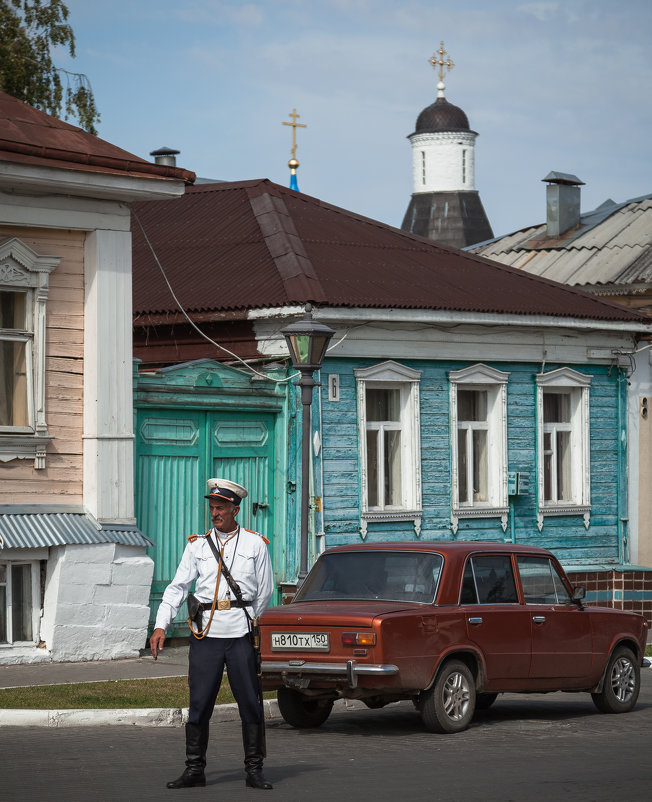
(21, 269)
(576, 385)
(494, 382)
(394, 376)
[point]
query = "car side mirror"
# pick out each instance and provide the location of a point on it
(578, 594)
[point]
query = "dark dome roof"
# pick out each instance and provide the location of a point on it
(442, 116)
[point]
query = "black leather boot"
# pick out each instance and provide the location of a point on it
(254, 750)
(196, 742)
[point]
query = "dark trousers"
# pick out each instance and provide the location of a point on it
(207, 658)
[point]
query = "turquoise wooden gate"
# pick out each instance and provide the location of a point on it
(176, 452)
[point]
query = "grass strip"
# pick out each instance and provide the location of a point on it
(135, 693)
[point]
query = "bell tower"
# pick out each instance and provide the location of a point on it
(445, 204)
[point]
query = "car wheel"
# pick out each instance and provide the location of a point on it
(483, 701)
(622, 683)
(301, 711)
(449, 705)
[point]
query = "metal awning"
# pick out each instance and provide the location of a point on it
(36, 526)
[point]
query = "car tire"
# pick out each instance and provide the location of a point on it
(483, 701)
(449, 705)
(622, 683)
(301, 711)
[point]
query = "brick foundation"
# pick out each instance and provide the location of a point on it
(621, 589)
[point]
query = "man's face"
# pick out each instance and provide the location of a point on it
(223, 515)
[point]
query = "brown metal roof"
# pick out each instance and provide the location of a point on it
(30, 136)
(254, 244)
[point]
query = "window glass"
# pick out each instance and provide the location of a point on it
(475, 483)
(388, 575)
(13, 383)
(384, 439)
(480, 466)
(393, 491)
(557, 447)
(12, 310)
(556, 407)
(372, 468)
(541, 582)
(383, 405)
(21, 602)
(471, 405)
(489, 579)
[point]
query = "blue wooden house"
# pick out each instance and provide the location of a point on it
(459, 399)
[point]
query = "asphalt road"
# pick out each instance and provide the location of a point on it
(523, 749)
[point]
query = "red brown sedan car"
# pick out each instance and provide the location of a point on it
(449, 625)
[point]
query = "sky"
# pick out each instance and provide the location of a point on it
(561, 86)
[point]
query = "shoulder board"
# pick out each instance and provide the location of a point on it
(251, 531)
(192, 538)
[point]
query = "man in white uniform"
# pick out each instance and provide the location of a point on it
(224, 638)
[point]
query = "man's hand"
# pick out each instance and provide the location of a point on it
(156, 642)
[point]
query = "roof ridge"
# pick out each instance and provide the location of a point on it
(285, 246)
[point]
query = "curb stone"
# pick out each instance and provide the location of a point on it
(139, 717)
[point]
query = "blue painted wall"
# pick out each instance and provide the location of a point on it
(567, 536)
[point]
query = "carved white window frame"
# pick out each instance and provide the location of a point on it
(494, 382)
(567, 380)
(21, 269)
(392, 375)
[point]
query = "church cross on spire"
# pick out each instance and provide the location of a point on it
(294, 125)
(439, 62)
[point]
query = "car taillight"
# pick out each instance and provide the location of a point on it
(358, 639)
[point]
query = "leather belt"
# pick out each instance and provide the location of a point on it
(227, 604)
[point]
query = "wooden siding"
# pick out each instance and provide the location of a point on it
(565, 535)
(61, 480)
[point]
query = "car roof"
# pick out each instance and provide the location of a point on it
(458, 548)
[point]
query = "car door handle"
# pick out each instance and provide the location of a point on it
(539, 619)
(475, 621)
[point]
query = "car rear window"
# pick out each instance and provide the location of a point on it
(392, 576)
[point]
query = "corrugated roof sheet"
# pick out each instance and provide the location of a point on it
(30, 136)
(255, 244)
(612, 246)
(29, 529)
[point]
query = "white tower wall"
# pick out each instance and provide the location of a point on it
(443, 161)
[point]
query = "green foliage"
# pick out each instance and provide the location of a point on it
(29, 29)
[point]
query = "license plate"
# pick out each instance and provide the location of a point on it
(300, 642)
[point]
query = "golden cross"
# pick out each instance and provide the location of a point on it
(294, 125)
(439, 62)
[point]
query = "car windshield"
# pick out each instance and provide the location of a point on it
(388, 575)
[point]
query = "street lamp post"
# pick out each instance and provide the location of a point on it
(307, 341)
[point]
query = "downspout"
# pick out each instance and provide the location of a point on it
(622, 505)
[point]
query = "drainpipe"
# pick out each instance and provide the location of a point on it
(623, 519)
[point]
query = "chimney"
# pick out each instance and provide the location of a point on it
(165, 156)
(562, 203)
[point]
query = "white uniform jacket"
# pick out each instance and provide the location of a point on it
(247, 558)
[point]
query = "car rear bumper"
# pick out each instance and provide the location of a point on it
(346, 672)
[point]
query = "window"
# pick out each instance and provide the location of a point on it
(563, 443)
(394, 576)
(541, 582)
(423, 167)
(18, 585)
(388, 411)
(24, 280)
(489, 579)
(464, 166)
(478, 399)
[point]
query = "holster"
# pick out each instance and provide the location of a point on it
(195, 611)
